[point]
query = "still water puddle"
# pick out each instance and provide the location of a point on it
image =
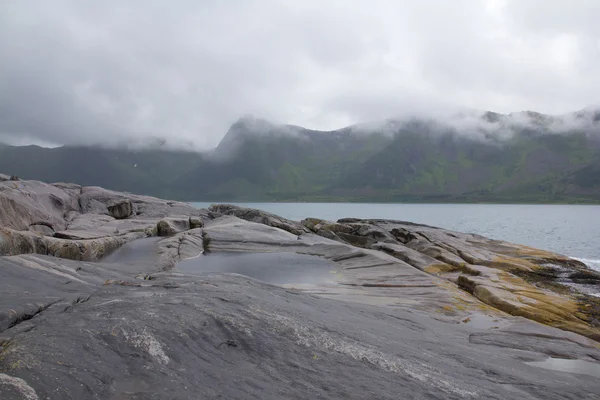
(572, 366)
(274, 268)
(134, 251)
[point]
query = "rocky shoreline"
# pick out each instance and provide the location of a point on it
(91, 309)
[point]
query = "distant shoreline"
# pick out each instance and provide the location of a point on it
(347, 201)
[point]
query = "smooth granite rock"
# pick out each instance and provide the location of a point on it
(179, 336)
(513, 278)
(90, 221)
(98, 308)
(259, 216)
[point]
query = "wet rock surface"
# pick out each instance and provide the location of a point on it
(104, 308)
(516, 279)
(187, 336)
(276, 268)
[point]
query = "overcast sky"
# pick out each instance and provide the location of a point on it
(81, 71)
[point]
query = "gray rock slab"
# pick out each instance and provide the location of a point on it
(216, 309)
(183, 337)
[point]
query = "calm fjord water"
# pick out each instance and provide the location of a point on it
(572, 230)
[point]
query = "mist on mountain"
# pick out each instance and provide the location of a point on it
(464, 156)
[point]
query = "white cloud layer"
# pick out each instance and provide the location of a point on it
(76, 72)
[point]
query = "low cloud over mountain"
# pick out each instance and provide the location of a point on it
(77, 72)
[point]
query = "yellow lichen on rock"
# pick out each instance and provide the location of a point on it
(517, 297)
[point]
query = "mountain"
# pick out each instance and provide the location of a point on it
(280, 162)
(148, 171)
(463, 157)
(421, 163)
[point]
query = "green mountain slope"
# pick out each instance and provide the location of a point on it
(521, 157)
(422, 164)
(279, 162)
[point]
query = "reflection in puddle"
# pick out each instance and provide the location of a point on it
(134, 251)
(275, 268)
(564, 365)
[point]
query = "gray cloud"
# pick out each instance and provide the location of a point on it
(77, 72)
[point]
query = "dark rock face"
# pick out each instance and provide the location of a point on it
(165, 228)
(171, 226)
(120, 209)
(196, 222)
